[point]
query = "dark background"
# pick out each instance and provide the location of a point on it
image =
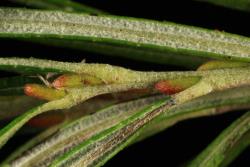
(183, 141)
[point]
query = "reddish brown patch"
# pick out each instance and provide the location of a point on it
(31, 90)
(167, 87)
(28, 89)
(59, 82)
(86, 82)
(46, 120)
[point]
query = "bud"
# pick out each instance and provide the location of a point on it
(173, 86)
(43, 92)
(75, 80)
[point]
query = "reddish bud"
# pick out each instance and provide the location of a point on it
(75, 80)
(173, 86)
(43, 92)
(167, 88)
(60, 81)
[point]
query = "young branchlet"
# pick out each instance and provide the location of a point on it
(58, 88)
(170, 87)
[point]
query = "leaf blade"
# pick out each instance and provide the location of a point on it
(14, 85)
(242, 5)
(174, 113)
(168, 38)
(82, 129)
(66, 5)
(227, 145)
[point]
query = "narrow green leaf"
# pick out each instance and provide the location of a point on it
(74, 97)
(78, 131)
(90, 150)
(215, 103)
(118, 79)
(177, 42)
(66, 5)
(34, 141)
(9, 130)
(118, 76)
(35, 66)
(243, 5)
(12, 106)
(130, 52)
(101, 147)
(227, 145)
(218, 64)
(226, 101)
(83, 109)
(14, 85)
(211, 104)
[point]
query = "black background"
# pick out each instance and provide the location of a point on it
(183, 141)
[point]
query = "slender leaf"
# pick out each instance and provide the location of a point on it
(74, 97)
(66, 5)
(38, 139)
(223, 101)
(227, 145)
(80, 130)
(12, 106)
(107, 140)
(225, 78)
(14, 85)
(116, 76)
(129, 52)
(176, 42)
(83, 129)
(34, 66)
(121, 80)
(243, 5)
(94, 139)
(102, 146)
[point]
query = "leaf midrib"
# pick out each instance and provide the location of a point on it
(119, 22)
(232, 134)
(197, 40)
(131, 36)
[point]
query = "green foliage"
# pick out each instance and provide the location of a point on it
(66, 5)
(243, 5)
(227, 146)
(158, 42)
(136, 111)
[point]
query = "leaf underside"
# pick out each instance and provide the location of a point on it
(93, 139)
(173, 42)
(104, 132)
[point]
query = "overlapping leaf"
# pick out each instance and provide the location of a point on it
(100, 136)
(66, 5)
(243, 5)
(227, 146)
(96, 131)
(160, 42)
